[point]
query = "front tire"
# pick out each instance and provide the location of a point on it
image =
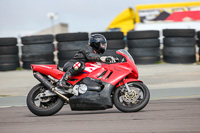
(43, 106)
(134, 101)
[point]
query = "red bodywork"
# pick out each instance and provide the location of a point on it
(110, 73)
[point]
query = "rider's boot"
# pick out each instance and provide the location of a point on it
(62, 82)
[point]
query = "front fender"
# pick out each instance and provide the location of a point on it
(127, 81)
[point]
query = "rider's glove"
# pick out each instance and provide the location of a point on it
(103, 58)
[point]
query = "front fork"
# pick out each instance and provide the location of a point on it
(127, 87)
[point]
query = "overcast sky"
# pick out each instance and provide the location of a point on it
(25, 17)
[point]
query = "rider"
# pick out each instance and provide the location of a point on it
(91, 53)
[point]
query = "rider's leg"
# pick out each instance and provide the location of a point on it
(62, 82)
(71, 69)
(67, 68)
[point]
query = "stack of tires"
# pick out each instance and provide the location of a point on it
(144, 46)
(179, 46)
(115, 41)
(37, 50)
(198, 43)
(69, 44)
(9, 59)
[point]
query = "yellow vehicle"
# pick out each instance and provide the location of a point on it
(158, 16)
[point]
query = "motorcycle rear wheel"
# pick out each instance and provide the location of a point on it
(133, 102)
(40, 106)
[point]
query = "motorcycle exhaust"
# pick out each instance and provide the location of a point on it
(48, 85)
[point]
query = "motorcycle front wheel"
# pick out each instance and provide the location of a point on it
(43, 106)
(132, 101)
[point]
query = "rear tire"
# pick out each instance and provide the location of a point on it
(138, 103)
(45, 108)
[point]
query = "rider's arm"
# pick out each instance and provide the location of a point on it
(90, 55)
(93, 57)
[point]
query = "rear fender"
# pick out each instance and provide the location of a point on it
(48, 70)
(35, 66)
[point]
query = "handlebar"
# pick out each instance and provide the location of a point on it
(111, 59)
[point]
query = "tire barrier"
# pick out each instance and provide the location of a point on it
(115, 41)
(69, 44)
(144, 46)
(198, 44)
(37, 50)
(179, 46)
(9, 59)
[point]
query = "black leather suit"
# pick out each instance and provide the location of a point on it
(86, 54)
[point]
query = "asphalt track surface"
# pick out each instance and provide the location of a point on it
(159, 116)
(174, 106)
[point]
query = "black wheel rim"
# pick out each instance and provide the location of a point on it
(43, 103)
(133, 99)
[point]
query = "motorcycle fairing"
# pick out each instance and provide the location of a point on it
(112, 73)
(92, 85)
(93, 100)
(91, 66)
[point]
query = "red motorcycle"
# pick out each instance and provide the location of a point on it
(98, 87)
